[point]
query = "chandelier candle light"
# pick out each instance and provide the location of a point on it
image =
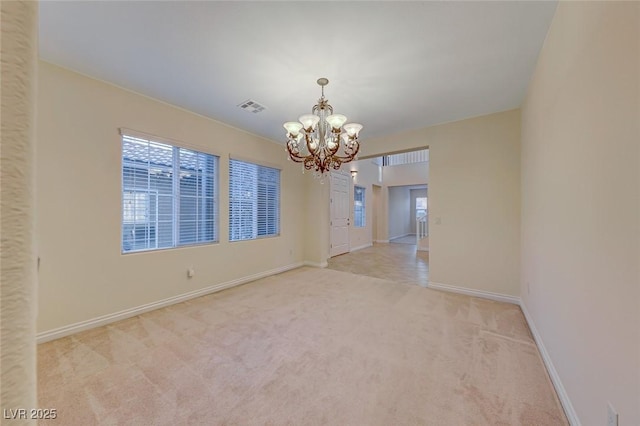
(322, 131)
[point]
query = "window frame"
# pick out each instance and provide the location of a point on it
(175, 196)
(363, 208)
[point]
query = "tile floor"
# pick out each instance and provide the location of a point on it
(394, 262)
(407, 239)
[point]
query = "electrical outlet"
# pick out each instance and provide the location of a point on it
(191, 272)
(612, 415)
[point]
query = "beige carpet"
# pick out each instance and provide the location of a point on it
(307, 347)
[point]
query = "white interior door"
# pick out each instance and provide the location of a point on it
(340, 208)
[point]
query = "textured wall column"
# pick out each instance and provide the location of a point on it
(18, 292)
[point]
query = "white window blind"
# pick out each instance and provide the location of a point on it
(254, 201)
(169, 195)
(358, 207)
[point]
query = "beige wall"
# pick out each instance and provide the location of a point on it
(580, 205)
(474, 188)
(406, 174)
(83, 275)
(376, 211)
(317, 212)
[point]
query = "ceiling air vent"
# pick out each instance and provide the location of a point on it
(252, 106)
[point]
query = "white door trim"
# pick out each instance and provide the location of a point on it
(340, 212)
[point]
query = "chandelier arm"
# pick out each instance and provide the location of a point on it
(295, 156)
(344, 159)
(351, 154)
(331, 152)
(309, 141)
(309, 163)
(297, 159)
(336, 137)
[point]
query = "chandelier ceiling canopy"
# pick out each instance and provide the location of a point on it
(315, 139)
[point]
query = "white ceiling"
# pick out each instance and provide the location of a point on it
(392, 66)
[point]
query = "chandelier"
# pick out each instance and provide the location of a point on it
(315, 139)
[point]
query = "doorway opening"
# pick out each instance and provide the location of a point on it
(380, 212)
(408, 216)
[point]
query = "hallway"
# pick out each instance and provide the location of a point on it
(394, 262)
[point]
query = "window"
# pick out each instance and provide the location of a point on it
(358, 207)
(421, 207)
(254, 201)
(412, 157)
(169, 195)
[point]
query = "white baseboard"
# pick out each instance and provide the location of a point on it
(570, 412)
(364, 246)
(477, 293)
(67, 330)
(316, 264)
(381, 241)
